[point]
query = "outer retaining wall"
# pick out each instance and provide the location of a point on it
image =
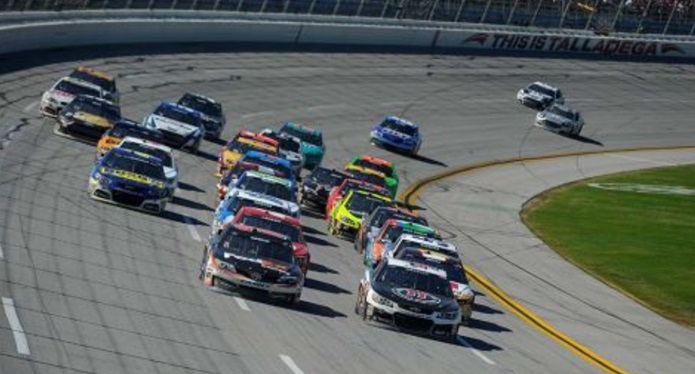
(35, 31)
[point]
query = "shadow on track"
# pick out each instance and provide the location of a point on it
(182, 219)
(206, 156)
(427, 160)
(316, 267)
(318, 285)
(480, 345)
(313, 214)
(218, 141)
(317, 310)
(189, 187)
(478, 324)
(312, 231)
(318, 241)
(478, 308)
(583, 139)
(191, 204)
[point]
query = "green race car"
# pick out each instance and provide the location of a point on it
(313, 148)
(382, 166)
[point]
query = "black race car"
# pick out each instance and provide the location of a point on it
(316, 186)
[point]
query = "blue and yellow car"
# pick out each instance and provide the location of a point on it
(313, 148)
(130, 178)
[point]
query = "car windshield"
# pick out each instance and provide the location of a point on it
(540, 89)
(119, 161)
(370, 178)
(76, 89)
(385, 214)
(394, 125)
(177, 115)
(265, 187)
(394, 232)
(327, 177)
(107, 84)
(290, 145)
(305, 136)
(256, 247)
(121, 130)
(399, 277)
(561, 112)
(156, 152)
(454, 270)
(102, 109)
(364, 204)
(201, 105)
(275, 225)
(378, 167)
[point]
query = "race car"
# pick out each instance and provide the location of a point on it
(122, 129)
(382, 166)
(210, 112)
(455, 274)
(63, 92)
(103, 80)
(417, 241)
(398, 134)
(181, 127)
(229, 207)
(389, 233)
(271, 186)
(277, 224)
(374, 221)
(88, 116)
(241, 258)
(289, 148)
(164, 153)
(540, 95)
(316, 186)
(410, 296)
(257, 161)
(347, 215)
(348, 185)
(560, 119)
(237, 148)
(313, 148)
(129, 178)
(368, 175)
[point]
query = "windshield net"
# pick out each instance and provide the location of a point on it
(274, 225)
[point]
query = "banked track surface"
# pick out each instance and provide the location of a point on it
(104, 289)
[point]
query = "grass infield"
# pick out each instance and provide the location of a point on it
(642, 243)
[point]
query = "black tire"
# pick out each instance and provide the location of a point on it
(361, 306)
(294, 300)
(203, 262)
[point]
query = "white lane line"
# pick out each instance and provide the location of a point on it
(20, 339)
(2, 254)
(31, 106)
(624, 157)
(242, 303)
(290, 364)
(475, 351)
(257, 114)
(192, 230)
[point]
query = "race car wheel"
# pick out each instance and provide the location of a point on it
(331, 227)
(294, 300)
(361, 306)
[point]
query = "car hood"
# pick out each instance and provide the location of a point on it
(310, 149)
(394, 133)
(414, 298)
(62, 96)
(93, 119)
(168, 124)
(537, 95)
(553, 118)
(231, 156)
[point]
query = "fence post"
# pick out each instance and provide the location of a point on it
(265, 2)
(458, 13)
(238, 5)
(311, 7)
(487, 6)
(434, 7)
(644, 14)
(692, 29)
(617, 14)
(670, 17)
(383, 11)
(591, 16)
(335, 7)
(511, 13)
(287, 6)
(359, 9)
(535, 14)
(564, 13)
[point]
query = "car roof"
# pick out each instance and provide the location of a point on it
(302, 127)
(251, 195)
(137, 155)
(564, 107)
(543, 84)
(149, 143)
(178, 107)
(429, 242)
(364, 170)
(430, 255)
(375, 160)
(401, 121)
(254, 211)
(267, 157)
(255, 143)
(95, 72)
(410, 225)
(263, 234)
(416, 266)
(97, 100)
(199, 96)
(81, 83)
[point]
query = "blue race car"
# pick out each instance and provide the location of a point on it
(238, 199)
(182, 127)
(130, 178)
(272, 165)
(397, 133)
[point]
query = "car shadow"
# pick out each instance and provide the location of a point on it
(427, 160)
(583, 139)
(318, 241)
(318, 310)
(478, 324)
(312, 231)
(478, 344)
(462, 340)
(318, 285)
(218, 141)
(177, 217)
(206, 156)
(189, 187)
(304, 306)
(319, 268)
(190, 204)
(479, 308)
(313, 213)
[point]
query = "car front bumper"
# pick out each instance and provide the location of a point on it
(234, 281)
(124, 198)
(404, 319)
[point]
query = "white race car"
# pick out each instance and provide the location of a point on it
(268, 185)
(164, 153)
(540, 95)
(182, 127)
(289, 148)
(238, 199)
(416, 241)
(560, 119)
(63, 92)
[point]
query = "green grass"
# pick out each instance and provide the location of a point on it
(642, 244)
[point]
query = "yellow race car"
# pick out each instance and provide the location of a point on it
(125, 127)
(237, 148)
(89, 116)
(367, 175)
(105, 81)
(348, 213)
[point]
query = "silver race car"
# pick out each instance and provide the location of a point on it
(540, 95)
(560, 119)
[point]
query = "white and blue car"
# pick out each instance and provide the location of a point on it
(238, 199)
(399, 134)
(267, 185)
(182, 127)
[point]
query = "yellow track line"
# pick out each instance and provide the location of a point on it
(411, 193)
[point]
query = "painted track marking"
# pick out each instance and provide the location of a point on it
(31, 106)
(290, 364)
(2, 254)
(476, 352)
(192, 230)
(624, 157)
(242, 303)
(20, 339)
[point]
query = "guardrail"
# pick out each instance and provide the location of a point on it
(664, 17)
(45, 30)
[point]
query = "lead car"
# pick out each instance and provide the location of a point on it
(410, 296)
(242, 258)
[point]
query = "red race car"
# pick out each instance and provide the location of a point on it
(276, 224)
(337, 193)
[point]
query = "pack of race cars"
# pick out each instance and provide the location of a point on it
(413, 279)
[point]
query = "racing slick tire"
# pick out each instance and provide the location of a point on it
(332, 230)
(361, 305)
(294, 300)
(203, 263)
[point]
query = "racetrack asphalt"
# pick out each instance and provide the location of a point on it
(103, 289)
